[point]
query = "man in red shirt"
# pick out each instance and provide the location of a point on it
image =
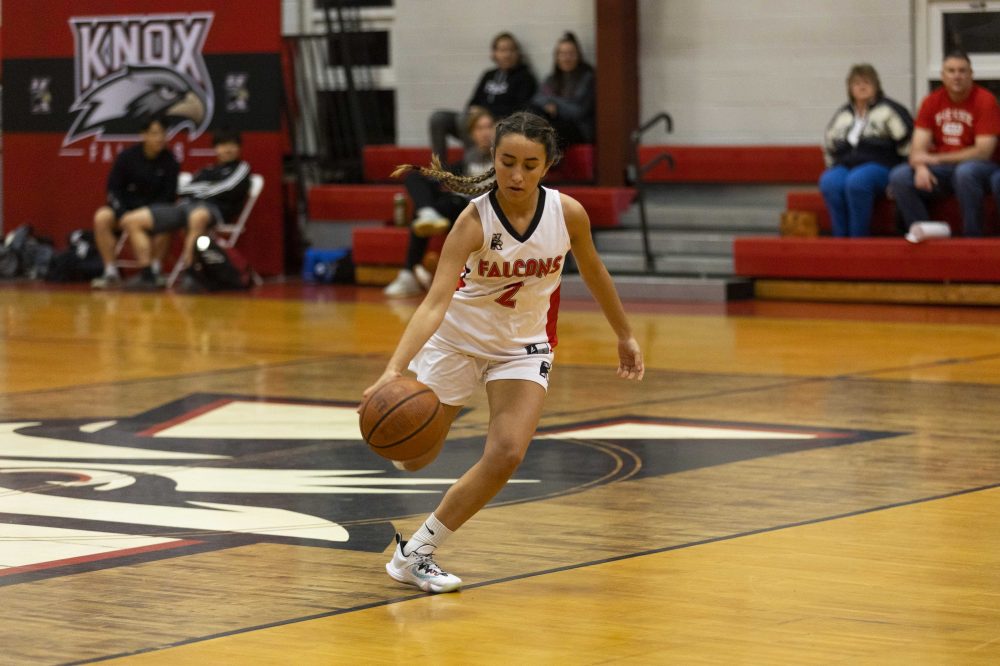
(953, 142)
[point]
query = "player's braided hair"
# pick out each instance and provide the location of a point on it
(528, 125)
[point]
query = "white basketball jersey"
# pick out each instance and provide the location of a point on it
(507, 299)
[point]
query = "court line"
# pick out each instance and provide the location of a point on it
(543, 572)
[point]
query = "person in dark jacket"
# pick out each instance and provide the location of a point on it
(141, 175)
(215, 195)
(566, 98)
(865, 139)
(501, 91)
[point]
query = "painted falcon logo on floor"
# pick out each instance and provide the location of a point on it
(215, 471)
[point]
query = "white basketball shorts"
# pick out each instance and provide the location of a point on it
(454, 376)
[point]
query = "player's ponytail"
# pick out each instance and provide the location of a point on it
(532, 127)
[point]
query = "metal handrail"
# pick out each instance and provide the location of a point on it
(636, 173)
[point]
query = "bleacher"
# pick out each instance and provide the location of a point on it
(886, 258)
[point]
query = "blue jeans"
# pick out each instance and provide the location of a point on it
(850, 196)
(966, 180)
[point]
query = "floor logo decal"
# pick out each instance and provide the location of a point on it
(215, 471)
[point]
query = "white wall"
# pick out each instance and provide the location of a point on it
(728, 71)
(765, 71)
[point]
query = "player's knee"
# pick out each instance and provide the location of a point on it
(506, 459)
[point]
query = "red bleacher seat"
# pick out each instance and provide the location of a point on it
(878, 259)
(353, 202)
(735, 164)
(884, 214)
(384, 246)
(604, 205)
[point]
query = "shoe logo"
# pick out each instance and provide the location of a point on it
(431, 531)
(497, 242)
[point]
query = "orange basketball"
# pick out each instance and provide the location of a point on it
(402, 420)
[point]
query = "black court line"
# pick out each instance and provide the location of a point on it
(543, 572)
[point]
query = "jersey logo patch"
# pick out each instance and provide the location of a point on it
(496, 243)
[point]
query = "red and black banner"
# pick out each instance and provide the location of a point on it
(80, 74)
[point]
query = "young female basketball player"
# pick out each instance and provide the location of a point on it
(499, 325)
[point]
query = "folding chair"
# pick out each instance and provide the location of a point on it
(226, 235)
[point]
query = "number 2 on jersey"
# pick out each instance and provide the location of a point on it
(506, 299)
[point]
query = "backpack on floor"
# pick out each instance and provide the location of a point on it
(216, 268)
(79, 262)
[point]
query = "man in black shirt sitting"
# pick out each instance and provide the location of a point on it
(215, 194)
(142, 175)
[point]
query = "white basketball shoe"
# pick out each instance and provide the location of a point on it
(420, 570)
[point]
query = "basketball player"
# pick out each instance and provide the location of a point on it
(499, 326)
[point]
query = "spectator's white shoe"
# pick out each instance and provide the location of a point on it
(429, 222)
(404, 285)
(420, 570)
(424, 276)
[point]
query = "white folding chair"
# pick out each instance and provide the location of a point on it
(183, 178)
(226, 235)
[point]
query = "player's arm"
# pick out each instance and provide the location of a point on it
(465, 237)
(598, 281)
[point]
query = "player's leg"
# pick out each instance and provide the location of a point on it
(515, 408)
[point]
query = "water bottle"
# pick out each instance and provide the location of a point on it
(399, 209)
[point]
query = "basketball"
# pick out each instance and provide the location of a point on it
(402, 420)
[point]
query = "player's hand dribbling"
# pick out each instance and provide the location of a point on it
(387, 376)
(630, 364)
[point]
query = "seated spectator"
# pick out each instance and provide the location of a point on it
(436, 208)
(141, 175)
(866, 138)
(501, 91)
(214, 195)
(566, 98)
(955, 136)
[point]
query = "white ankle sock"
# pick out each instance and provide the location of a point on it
(155, 265)
(111, 271)
(432, 533)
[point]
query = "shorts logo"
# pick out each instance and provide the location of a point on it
(544, 369)
(497, 242)
(130, 67)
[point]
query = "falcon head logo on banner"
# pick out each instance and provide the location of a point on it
(127, 68)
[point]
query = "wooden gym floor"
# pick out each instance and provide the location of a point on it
(181, 482)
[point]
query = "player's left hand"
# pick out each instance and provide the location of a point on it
(630, 364)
